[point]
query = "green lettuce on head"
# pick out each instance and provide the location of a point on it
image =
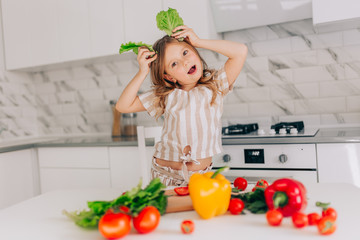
(132, 46)
(168, 20)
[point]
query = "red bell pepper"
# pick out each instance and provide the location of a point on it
(286, 195)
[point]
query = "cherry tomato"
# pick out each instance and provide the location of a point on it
(262, 183)
(147, 220)
(240, 183)
(274, 217)
(326, 225)
(236, 206)
(187, 226)
(182, 191)
(299, 219)
(331, 212)
(114, 225)
(313, 218)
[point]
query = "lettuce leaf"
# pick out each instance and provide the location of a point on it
(132, 46)
(168, 20)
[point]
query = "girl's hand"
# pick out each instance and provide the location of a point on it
(144, 58)
(187, 33)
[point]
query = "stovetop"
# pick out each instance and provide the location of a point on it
(279, 130)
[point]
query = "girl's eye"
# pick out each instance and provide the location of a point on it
(173, 64)
(185, 52)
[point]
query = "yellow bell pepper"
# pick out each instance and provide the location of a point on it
(210, 193)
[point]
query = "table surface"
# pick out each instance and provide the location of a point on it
(40, 218)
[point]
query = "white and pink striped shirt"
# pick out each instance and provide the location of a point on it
(189, 119)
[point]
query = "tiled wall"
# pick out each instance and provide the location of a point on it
(291, 74)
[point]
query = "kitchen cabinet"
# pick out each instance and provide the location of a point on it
(140, 20)
(73, 167)
(44, 32)
(19, 178)
(197, 15)
(339, 15)
(339, 162)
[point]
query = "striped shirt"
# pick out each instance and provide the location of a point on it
(189, 119)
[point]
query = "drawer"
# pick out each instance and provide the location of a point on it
(74, 157)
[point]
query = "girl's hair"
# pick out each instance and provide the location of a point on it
(163, 87)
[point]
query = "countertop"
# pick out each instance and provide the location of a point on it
(40, 218)
(324, 135)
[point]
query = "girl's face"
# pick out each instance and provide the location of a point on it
(182, 65)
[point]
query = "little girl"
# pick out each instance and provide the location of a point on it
(189, 96)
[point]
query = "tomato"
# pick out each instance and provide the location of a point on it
(147, 220)
(326, 225)
(240, 183)
(262, 183)
(331, 212)
(114, 225)
(299, 219)
(182, 191)
(236, 206)
(274, 217)
(313, 218)
(187, 226)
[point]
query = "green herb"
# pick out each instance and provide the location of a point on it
(135, 199)
(168, 20)
(132, 46)
(254, 201)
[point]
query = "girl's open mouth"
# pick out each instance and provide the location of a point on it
(192, 70)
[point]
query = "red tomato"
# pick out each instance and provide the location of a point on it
(313, 218)
(236, 206)
(114, 225)
(182, 191)
(240, 183)
(299, 219)
(147, 220)
(262, 183)
(331, 212)
(187, 226)
(274, 217)
(326, 225)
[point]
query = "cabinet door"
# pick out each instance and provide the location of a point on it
(30, 33)
(106, 27)
(339, 163)
(140, 20)
(18, 177)
(196, 14)
(125, 167)
(73, 167)
(73, 29)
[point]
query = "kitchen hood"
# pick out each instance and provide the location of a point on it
(230, 15)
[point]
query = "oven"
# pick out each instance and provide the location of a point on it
(269, 161)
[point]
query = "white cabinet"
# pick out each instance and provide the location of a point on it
(43, 32)
(339, 162)
(140, 20)
(19, 178)
(197, 15)
(335, 15)
(74, 167)
(30, 33)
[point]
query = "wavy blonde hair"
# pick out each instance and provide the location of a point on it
(163, 87)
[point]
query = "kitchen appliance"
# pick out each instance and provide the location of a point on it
(129, 124)
(269, 161)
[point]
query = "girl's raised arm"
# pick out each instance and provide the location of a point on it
(236, 52)
(128, 100)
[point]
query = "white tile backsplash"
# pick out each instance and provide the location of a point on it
(291, 74)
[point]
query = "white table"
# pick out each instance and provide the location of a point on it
(40, 218)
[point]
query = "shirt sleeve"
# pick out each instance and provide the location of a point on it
(147, 100)
(222, 81)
